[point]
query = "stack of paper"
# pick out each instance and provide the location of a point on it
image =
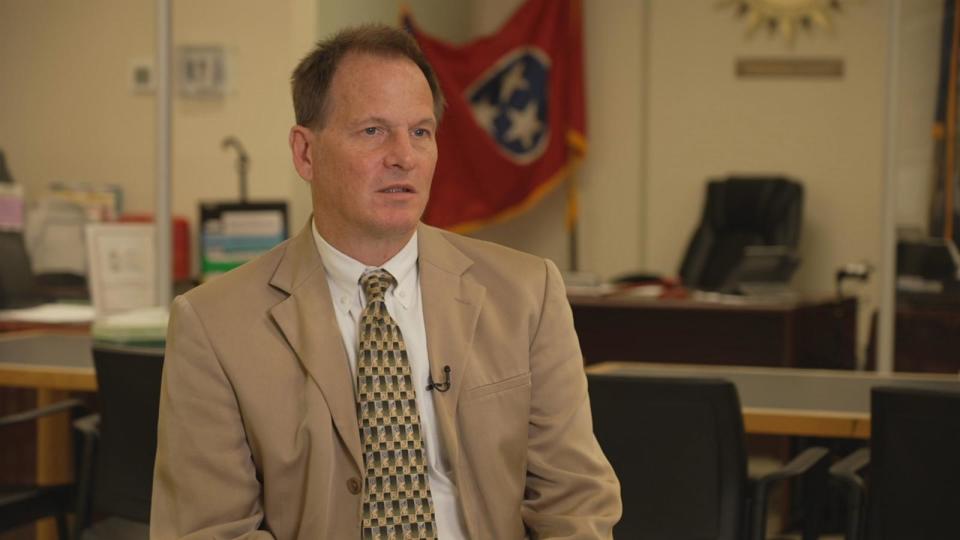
(144, 326)
(62, 313)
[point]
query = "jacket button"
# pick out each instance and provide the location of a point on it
(353, 485)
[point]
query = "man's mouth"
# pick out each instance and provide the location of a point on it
(397, 189)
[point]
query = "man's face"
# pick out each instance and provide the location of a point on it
(374, 157)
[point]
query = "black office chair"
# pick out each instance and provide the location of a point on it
(128, 381)
(677, 445)
(5, 176)
(18, 285)
(740, 212)
(21, 505)
(910, 489)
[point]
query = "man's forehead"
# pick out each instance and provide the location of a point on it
(363, 78)
(366, 61)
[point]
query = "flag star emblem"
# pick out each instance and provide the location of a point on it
(510, 103)
(485, 113)
(524, 125)
(513, 81)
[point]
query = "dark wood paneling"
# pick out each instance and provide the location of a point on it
(18, 452)
(927, 339)
(804, 334)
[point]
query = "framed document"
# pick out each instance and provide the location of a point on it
(121, 270)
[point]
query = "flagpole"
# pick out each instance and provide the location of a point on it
(572, 222)
(572, 236)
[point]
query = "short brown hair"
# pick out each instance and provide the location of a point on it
(312, 77)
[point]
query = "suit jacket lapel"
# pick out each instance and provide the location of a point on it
(451, 306)
(309, 324)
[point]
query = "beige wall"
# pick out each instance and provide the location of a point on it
(264, 41)
(919, 67)
(66, 111)
(69, 114)
(828, 133)
(666, 112)
(613, 212)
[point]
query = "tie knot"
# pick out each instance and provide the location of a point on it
(376, 283)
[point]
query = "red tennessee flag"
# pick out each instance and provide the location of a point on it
(515, 123)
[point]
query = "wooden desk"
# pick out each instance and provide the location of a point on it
(809, 334)
(44, 361)
(57, 328)
(784, 401)
(52, 365)
(927, 337)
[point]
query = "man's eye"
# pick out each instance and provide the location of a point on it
(370, 131)
(421, 132)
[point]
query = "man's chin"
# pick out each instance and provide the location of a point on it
(400, 229)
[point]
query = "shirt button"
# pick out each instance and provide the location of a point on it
(403, 294)
(353, 485)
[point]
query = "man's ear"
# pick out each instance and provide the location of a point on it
(302, 140)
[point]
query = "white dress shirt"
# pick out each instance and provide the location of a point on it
(406, 307)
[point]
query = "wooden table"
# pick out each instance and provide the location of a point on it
(53, 365)
(785, 401)
(805, 333)
(47, 361)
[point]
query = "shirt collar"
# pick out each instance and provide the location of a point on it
(345, 271)
(403, 267)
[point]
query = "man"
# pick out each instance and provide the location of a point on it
(374, 377)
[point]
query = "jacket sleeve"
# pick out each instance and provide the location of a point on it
(571, 489)
(205, 483)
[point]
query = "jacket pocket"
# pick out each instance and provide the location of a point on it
(477, 392)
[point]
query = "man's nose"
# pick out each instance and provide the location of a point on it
(400, 153)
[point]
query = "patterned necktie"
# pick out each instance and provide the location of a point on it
(396, 496)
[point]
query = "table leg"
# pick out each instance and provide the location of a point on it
(54, 453)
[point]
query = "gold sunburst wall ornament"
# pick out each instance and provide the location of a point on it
(786, 17)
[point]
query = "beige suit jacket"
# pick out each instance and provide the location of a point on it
(258, 434)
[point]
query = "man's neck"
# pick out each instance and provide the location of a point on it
(369, 251)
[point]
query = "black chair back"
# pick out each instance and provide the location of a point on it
(914, 464)
(677, 447)
(740, 212)
(128, 382)
(18, 285)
